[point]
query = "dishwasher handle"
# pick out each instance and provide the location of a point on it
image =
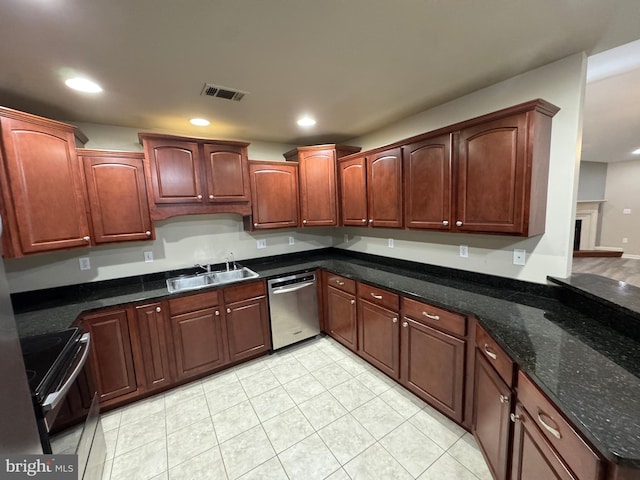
(295, 287)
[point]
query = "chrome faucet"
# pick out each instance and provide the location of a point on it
(206, 268)
(230, 258)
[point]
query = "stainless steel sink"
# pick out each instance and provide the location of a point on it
(209, 279)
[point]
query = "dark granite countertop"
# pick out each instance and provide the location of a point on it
(590, 370)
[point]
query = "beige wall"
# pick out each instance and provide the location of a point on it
(622, 192)
(561, 83)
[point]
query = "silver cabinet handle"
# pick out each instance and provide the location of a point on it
(353, 302)
(158, 309)
(504, 399)
(458, 223)
(339, 282)
(228, 310)
(489, 352)
(304, 222)
(371, 220)
(53, 399)
(87, 238)
(554, 431)
(217, 313)
(514, 418)
(432, 317)
(394, 319)
(377, 297)
(199, 197)
(405, 324)
(147, 233)
(364, 220)
(445, 222)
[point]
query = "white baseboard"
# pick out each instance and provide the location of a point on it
(610, 249)
(630, 256)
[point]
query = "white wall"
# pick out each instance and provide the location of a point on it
(561, 83)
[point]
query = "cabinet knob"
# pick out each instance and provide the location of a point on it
(504, 399)
(217, 313)
(210, 197)
(458, 223)
(86, 239)
(304, 222)
(353, 302)
(405, 324)
(364, 220)
(147, 233)
(514, 418)
(445, 222)
(158, 309)
(371, 220)
(199, 197)
(228, 310)
(255, 224)
(394, 319)
(489, 353)
(432, 317)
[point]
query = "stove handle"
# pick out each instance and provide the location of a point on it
(54, 398)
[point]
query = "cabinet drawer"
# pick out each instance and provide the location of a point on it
(435, 317)
(379, 296)
(496, 356)
(191, 303)
(582, 460)
(341, 283)
(244, 291)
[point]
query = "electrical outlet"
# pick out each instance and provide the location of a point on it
(464, 251)
(390, 242)
(262, 243)
(625, 240)
(292, 240)
(519, 256)
(148, 257)
(85, 263)
(626, 211)
(345, 239)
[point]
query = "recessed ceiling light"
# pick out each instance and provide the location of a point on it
(83, 85)
(636, 151)
(306, 122)
(199, 122)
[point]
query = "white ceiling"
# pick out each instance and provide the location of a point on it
(356, 65)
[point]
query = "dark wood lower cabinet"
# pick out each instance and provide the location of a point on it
(198, 342)
(341, 317)
(433, 366)
(151, 332)
(533, 457)
(379, 337)
(491, 423)
(247, 328)
(111, 357)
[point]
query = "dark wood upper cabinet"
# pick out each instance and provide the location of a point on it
(502, 172)
(45, 207)
(353, 191)
(318, 182)
(427, 183)
(384, 188)
(117, 196)
(193, 176)
(274, 195)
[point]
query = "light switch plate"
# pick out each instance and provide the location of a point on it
(626, 211)
(390, 242)
(345, 238)
(85, 263)
(464, 251)
(292, 240)
(519, 256)
(148, 257)
(262, 243)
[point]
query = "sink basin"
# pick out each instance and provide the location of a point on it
(209, 279)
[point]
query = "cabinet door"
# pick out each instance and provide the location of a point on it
(533, 457)
(274, 194)
(247, 328)
(117, 196)
(111, 357)
(384, 184)
(491, 424)
(45, 182)
(318, 203)
(379, 337)
(175, 171)
(433, 366)
(427, 183)
(151, 331)
(227, 173)
(341, 317)
(353, 192)
(198, 342)
(491, 174)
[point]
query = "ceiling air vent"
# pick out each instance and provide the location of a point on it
(211, 90)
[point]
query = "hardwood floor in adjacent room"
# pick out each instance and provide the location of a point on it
(621, 269)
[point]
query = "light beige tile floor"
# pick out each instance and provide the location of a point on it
(313, 411)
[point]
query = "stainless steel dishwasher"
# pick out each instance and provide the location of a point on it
(293, 301)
